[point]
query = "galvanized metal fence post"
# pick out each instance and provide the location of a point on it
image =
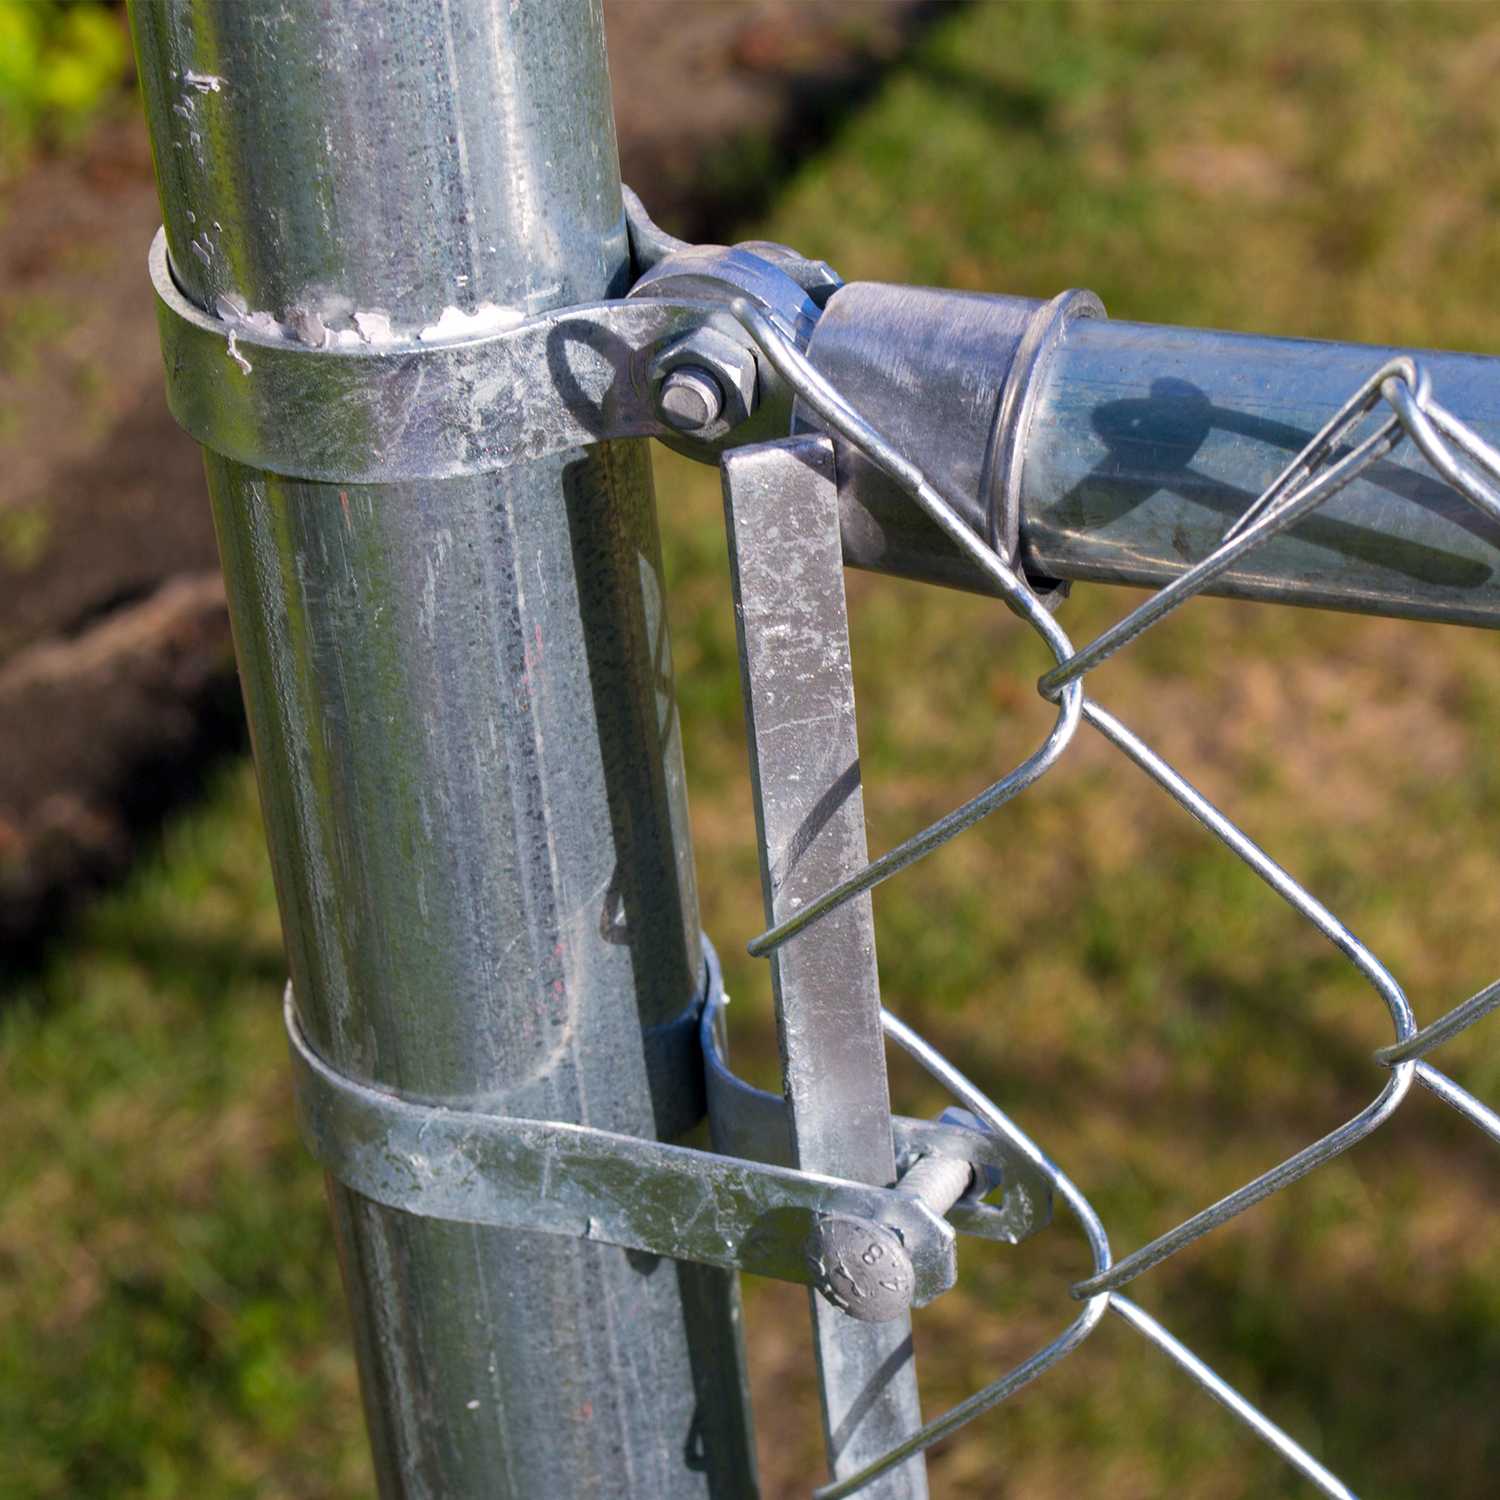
(460, 696)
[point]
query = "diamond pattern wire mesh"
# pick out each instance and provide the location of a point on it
(1394, 405)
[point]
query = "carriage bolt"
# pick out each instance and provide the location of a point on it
(861, 1267)
(705, 384)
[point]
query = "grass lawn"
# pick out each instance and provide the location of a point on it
(170, 1317)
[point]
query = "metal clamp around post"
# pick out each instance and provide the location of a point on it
(621, 1190)
(358, 410)
(356, 405)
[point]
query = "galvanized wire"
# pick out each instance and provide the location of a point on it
(1356, 436)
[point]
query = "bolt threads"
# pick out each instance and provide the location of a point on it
(939, 1181)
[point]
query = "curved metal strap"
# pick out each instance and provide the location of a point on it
(573, 1180)
(351, 411)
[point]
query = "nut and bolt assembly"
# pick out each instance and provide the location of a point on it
(705, 384)
(863, 1267)
(689, 399)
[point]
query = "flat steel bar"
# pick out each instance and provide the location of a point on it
(780, 504)
(460, 697)
(1144, 444)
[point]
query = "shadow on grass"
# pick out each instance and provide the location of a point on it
(737, 179)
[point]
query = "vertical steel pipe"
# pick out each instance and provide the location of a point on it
(460, 697)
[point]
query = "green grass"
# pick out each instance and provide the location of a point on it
(1160, 1021)
(172, 1321)
(61, 63)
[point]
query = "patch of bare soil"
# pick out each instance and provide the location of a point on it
(116, 670)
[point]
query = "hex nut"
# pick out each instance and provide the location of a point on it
(714, 356)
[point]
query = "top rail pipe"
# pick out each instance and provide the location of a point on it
(1144, 443)
(1152, 440)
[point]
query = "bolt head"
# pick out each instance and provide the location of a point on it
(690, 399)
(861, 1268)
